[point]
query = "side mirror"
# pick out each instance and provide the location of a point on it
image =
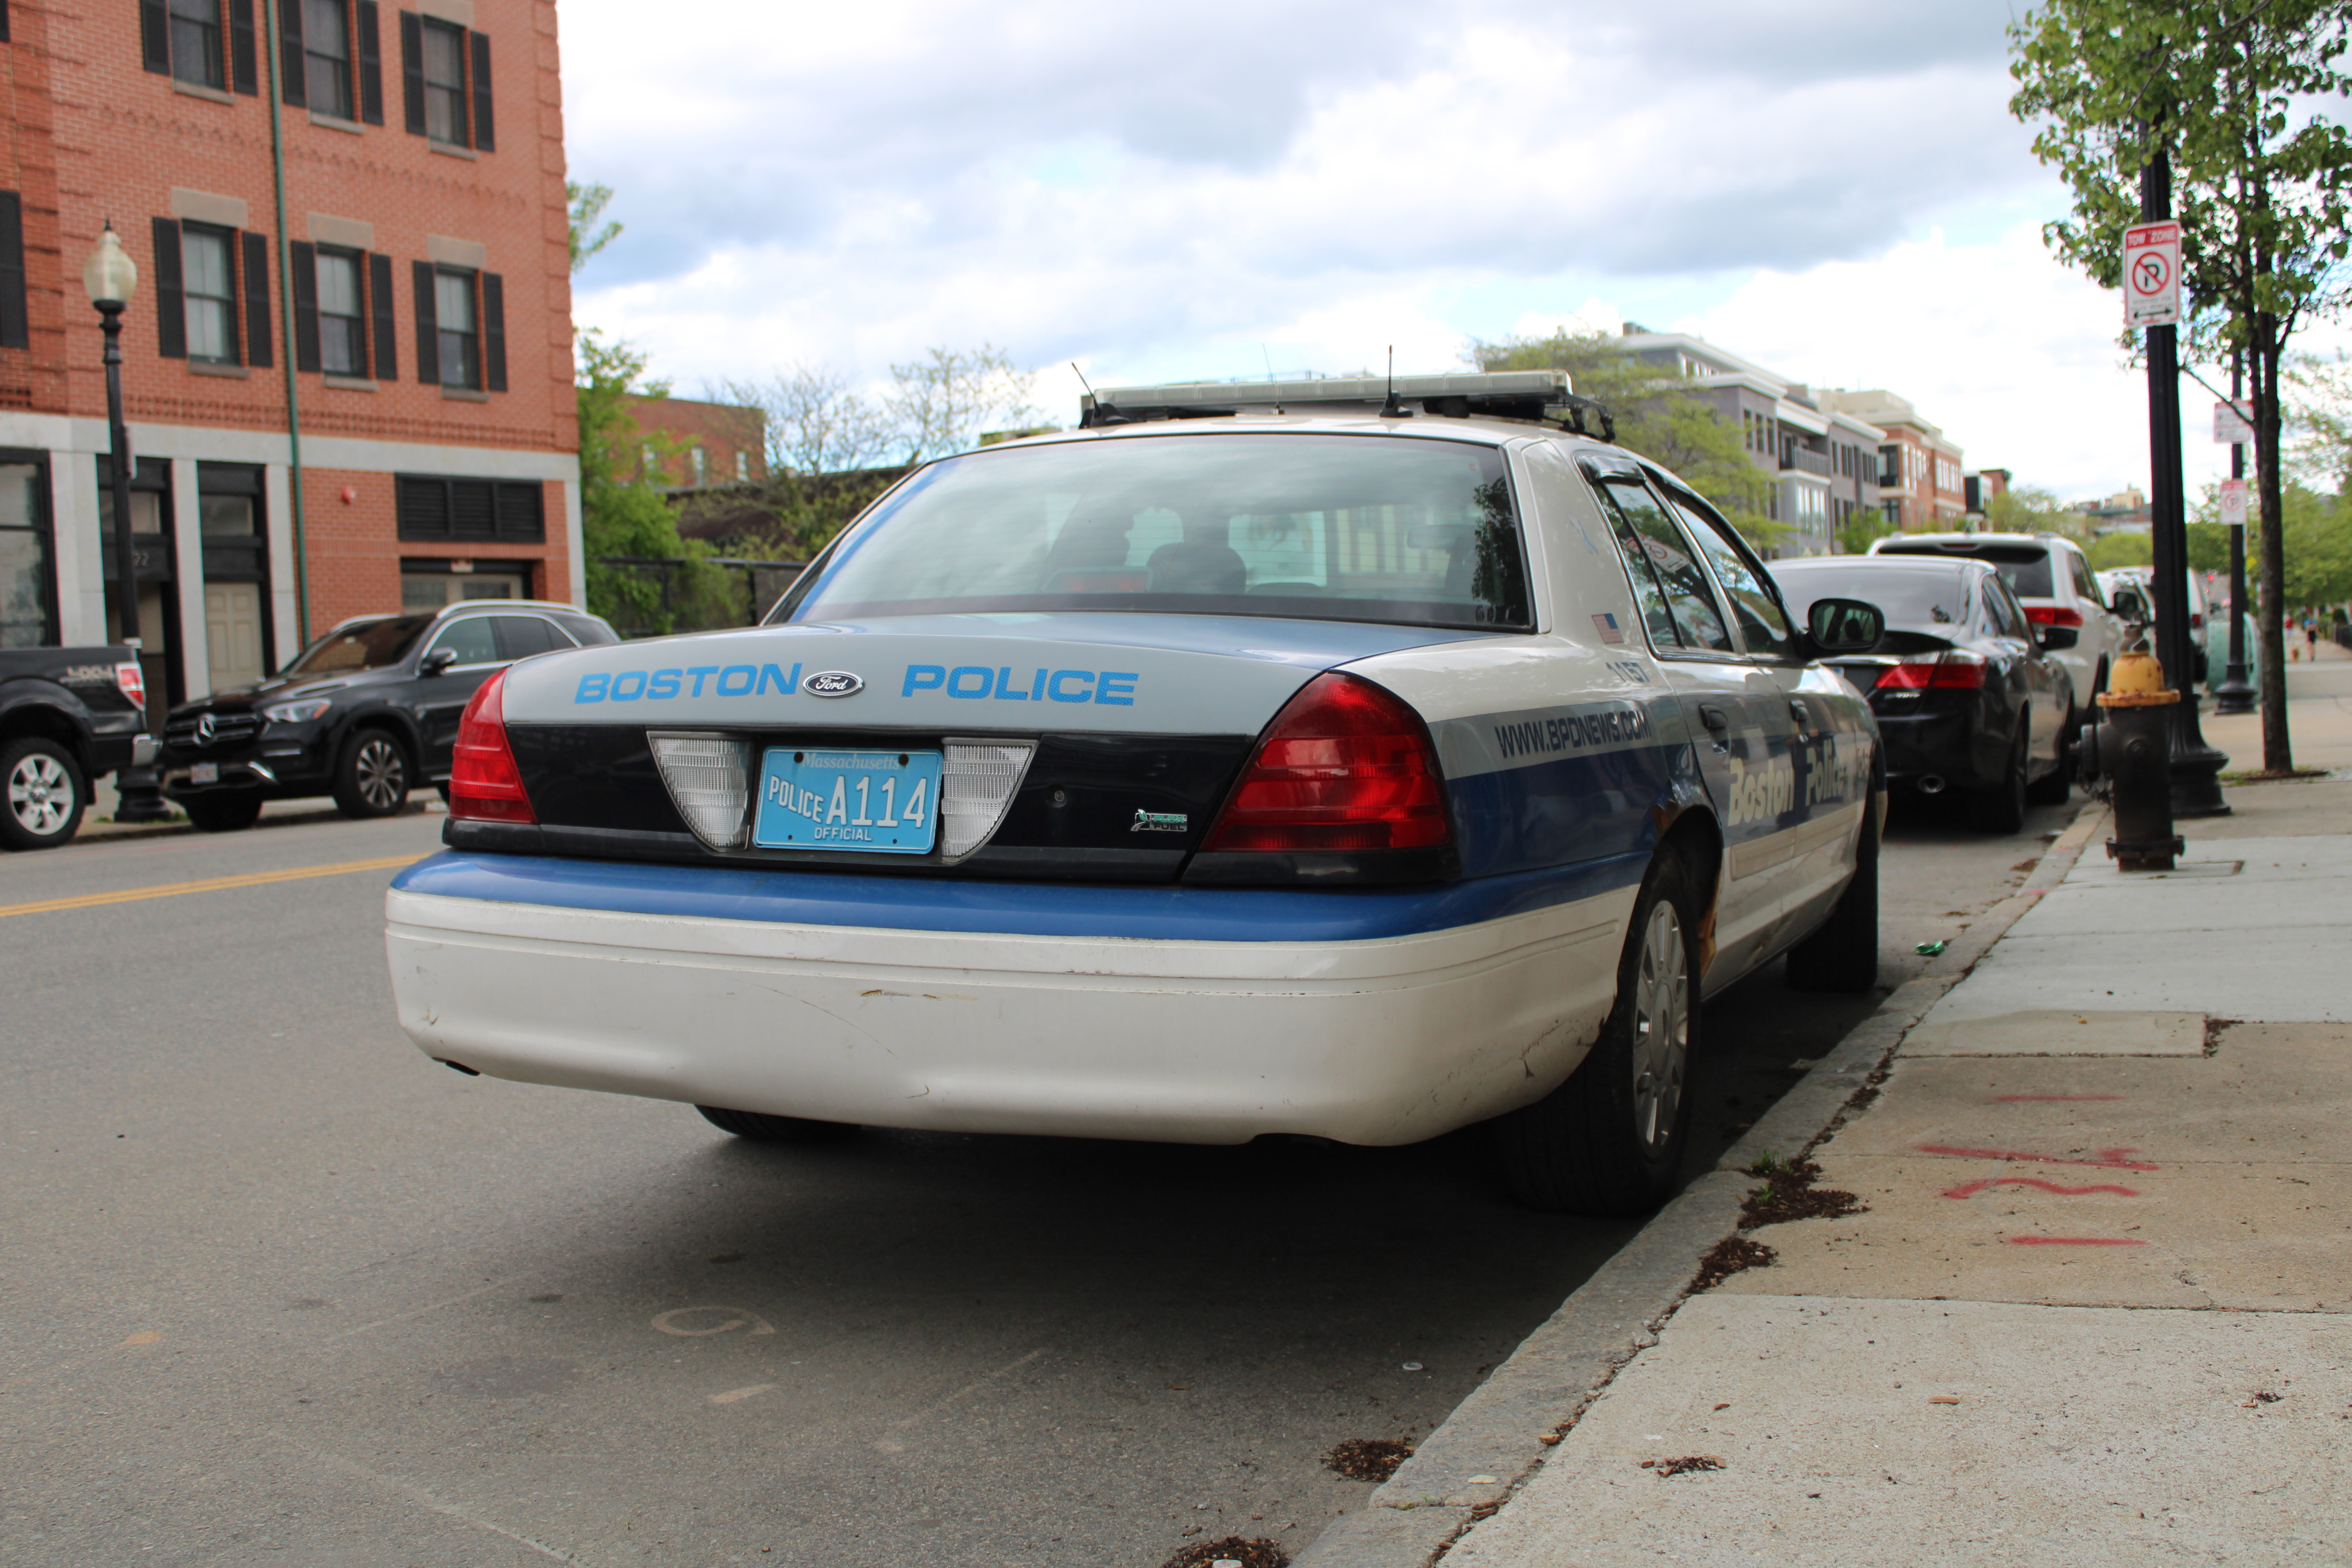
(2129, 606)
(438, 662)
(2056, 640)
(1844, 625)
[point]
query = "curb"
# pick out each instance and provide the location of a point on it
(1491, 1444)
(105, 830)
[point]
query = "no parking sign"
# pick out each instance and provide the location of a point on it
(2152, 275)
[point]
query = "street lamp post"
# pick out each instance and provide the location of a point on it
(2236, 693)
(112, 277)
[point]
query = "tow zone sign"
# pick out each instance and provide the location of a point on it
(2152, 275)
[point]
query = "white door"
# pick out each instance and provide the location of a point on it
(233, 633)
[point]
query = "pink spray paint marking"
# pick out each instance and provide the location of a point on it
(1971, 1189)
(2109, 1159)
(2048, 1099)
(2072, 1241)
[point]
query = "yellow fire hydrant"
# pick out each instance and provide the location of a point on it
(2134, 752)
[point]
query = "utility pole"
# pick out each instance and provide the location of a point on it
(2196, 766)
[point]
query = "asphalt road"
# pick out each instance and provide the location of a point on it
(276, 1289)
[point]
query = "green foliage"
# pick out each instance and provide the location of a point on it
(622, 515)
(586, 204)
(2208, 547)
(1865, 527)
(944, 401)
(1656, 416)
(2027, 508)
(2110, 550)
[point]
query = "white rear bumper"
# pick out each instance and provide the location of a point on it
(1379, 1042)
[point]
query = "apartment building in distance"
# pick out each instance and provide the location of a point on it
(1920, 471)
(691, 445)
(415, 295)
(1824, 462)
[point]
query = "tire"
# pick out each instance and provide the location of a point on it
(1843, 954)
(42, 794)
(1608, 1142)
(371, 776)
(760, 1127)
(2002, 809)
(230, 811)
(2056, 787)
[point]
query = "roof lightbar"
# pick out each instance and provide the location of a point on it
(1542, 396)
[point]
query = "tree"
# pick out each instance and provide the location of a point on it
(827, 451)
(587, 204)
(621, 514)
(1863, 527)
(2263, 203)
(1656, 416)
(2028, 509)
(944, 401)
(2110, 550)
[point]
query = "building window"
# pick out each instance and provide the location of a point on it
(460, 339)
(743, 466)
(701, 474)
(327, 57)
(342, 315)
(502, 511)
(444, 83)
(209, 285)
(27, 618)
(197, 42)
(648, 461)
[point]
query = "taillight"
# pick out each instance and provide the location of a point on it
(484, 783)
(2052, 615)
(1956, 670)
(1345, 766)
(132, 684)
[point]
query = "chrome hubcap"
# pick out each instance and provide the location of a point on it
(1661, 1027)
(40, 793)
(382, 777)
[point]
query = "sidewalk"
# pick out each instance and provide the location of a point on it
(98, 822)
(2098, 1308)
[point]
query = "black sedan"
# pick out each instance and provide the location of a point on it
(365, 713)
(1966, 693)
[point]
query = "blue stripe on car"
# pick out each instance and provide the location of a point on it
(1563, 812)
(1012, 908)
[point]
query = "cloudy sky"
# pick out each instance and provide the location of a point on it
(1833, 188)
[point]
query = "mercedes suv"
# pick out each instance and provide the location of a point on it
(364, 714)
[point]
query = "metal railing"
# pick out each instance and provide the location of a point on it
(1805, 462)
(683, 593)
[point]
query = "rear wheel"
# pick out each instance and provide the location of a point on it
(1842, 955)
(1607, 1141)
(766, 1129)
(2002, 809)
(44, 794)
(231, 811)
(371, 775)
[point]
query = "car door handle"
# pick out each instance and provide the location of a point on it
(1800, 713)
(1712, 718)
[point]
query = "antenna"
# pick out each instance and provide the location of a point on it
(1392, 409)
(1082, 377)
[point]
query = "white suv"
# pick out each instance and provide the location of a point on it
(2051, 577)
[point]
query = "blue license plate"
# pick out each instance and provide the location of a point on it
(881, 802)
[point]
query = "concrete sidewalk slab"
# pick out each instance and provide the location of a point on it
(2078, 1437)
(2269, 810)
(2064, 1032)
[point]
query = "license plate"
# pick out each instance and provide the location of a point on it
(203, 773)
(879, 801)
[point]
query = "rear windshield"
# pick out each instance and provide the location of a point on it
(1351, 528)
(1918, 598)
(2025, 567)
(371, 647)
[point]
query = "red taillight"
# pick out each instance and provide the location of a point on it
(2052, 615)
(1958, 670)
(1345, 766)
(131, 683)
(484, 783)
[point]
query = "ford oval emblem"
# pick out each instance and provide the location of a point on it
(834, 683)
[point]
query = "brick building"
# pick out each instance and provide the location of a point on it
(401, 308)
(1920, 467)
(689, 445)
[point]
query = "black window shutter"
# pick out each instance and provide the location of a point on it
(412, 70)
(494, 331)
(154, 37)
(257, 300)
(371, 65)
(15, 329)
(244, 70)
(292, 69)
(428, 326)
(3, 21)
(482, 137)
(387, 352)
(171, 305)
(305, 285)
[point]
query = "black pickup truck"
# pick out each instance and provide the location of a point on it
(67, 715)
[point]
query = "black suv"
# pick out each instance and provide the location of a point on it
(367, 711)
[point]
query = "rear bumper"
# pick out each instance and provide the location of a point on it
(1947, 744)
(1384, 1041)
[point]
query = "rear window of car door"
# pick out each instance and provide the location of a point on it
(470, 639)
(1763, 625)
(1677, 605)
(519, 637)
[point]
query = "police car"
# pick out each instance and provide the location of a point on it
(1347, 758)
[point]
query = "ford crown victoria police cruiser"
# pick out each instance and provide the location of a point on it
(1325, 758)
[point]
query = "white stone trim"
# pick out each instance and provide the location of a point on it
(188, 577)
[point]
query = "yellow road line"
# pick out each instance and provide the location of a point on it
(209, 885)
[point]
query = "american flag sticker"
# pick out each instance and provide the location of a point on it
(1608, 628)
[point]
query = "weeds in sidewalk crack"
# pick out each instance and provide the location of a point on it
(2214, 1029)
(1684, 1466)
(1789, 1194)
(1728, 1257)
